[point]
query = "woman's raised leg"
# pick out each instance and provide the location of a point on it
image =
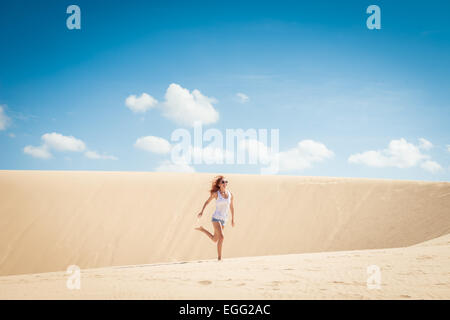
(217, 230)
(205, 232)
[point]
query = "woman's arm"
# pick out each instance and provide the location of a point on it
(206, 203)
(232, 210)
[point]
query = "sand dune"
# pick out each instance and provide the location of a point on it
(416, 272)
(53, 219)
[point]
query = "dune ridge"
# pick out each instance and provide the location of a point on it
(53, 219)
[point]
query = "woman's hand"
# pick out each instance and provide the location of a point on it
(200, 215)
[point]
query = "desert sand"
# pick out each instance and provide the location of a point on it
(416, 272)
(132, 234)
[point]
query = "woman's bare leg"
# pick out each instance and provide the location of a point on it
(219, 231)
(211, 236)
(216, 237)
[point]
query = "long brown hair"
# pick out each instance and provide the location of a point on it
(215, 186)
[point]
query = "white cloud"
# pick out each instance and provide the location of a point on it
(206, 155)
(153, 144)
(40, 152)
(243, 98)
(4, 119)
(168, 166)
(60, 142)
(11, 135)
(95, 155)
(425, 144)
(431, 166)
(448, 147)
(304, 155)
(399, 154)
(140, 104)
(57, 142)
(186, 108)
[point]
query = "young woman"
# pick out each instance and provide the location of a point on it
(224, 203)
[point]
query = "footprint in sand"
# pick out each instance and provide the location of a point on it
(205, 282)
(424, 257)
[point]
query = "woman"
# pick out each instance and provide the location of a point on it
(224, 203)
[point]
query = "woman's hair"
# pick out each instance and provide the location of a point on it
(216, 184)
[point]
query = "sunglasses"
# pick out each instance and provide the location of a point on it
(224, 181)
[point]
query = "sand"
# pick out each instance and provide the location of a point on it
(132, 234)
(416, 272)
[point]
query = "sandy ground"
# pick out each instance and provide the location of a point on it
(295, 237)
(416, 272)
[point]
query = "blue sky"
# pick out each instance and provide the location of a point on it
(361, 99)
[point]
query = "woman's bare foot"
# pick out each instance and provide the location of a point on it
(200, 228)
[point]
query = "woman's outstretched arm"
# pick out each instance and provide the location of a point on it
(206, 203)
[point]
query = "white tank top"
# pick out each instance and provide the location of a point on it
(222, 206)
